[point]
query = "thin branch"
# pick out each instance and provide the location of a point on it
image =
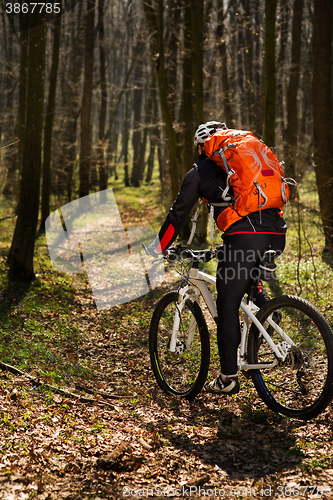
(58, 390)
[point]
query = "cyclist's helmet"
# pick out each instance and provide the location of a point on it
(205, 130)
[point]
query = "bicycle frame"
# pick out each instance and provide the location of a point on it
(196, 286)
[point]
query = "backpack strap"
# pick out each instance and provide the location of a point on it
(211, 222)
(211, 215)
(194, 222)
(229, 171)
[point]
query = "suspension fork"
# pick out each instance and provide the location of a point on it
(183, 295)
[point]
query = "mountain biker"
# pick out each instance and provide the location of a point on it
(245, 242)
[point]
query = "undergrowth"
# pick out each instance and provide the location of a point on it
(39, 328)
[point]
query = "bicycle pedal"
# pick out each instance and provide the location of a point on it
(246, 373)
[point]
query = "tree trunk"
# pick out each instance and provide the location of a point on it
(137, 104)
(280, 64)
(187, 122)
(49, 120)
(198, 30)
(240, 73)
(270, 83)
(249, 63)
(125, 139)
(306, 125)
(173, 73)
(292, 127)
(228, 114)
(85, 154)
(259, 87)
(155, 20)
(71, 102)
(197, 16)
(103, 180)
(9, 134)
(152, 140)
(148, 119)
(322, 114)
(23, 244)
(22, 110)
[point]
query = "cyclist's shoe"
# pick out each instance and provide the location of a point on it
(217, 386)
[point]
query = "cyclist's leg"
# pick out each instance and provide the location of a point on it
(277, 243)
(234, 274)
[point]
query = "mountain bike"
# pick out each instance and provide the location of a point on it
(286, 346)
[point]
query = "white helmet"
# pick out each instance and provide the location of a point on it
(205, 130)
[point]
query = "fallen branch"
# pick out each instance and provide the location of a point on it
(58, 390)
(104, 395)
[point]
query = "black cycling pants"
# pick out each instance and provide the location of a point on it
(236, 268)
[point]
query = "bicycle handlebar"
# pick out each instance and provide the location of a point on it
(173, 254)
(181, 252)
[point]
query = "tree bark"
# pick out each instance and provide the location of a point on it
(85, 154)
(23, 244)
(322, 114)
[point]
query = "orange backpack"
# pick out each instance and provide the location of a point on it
(253, 172)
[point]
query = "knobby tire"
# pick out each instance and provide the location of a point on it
(184, 373)
(302, 386)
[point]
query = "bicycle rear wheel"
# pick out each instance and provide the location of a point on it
(301, 386)
(184, 371)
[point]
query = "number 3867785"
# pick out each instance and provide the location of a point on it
(17, 8)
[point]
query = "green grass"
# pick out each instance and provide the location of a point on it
(39, 330)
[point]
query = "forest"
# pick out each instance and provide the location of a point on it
(109, 89)
(107, 94)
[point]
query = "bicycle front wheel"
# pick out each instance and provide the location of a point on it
(182, 372)
(301, 385)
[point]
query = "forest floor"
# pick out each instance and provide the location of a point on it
(127, 439)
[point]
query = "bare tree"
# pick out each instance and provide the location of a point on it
(270, 81)
(22, 249)
(155, 19)
(292, 108)
(103, 181)
(322, 114)
(85, 154)
(48, 130)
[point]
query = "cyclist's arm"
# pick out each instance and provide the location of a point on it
(186, 199)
